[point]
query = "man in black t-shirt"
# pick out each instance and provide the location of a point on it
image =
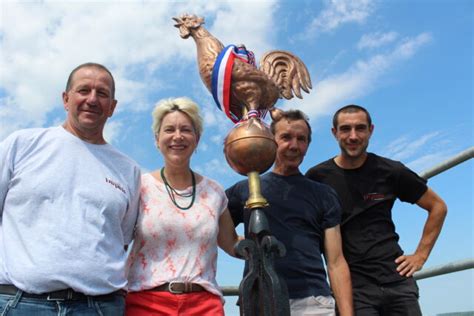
(368, 186)
(304, 215)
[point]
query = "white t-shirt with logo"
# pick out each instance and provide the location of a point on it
(67, 210)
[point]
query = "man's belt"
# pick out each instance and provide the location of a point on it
(179, 288)
(61, 295)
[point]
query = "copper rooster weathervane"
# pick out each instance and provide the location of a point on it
(245, 94)
(280, 75)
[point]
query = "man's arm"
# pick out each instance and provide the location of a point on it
(129, 221)
(5, 170)
(338, 271)
(437, 210)
(235, 204)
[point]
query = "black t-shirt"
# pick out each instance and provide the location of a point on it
(367, 195)
(299, 212)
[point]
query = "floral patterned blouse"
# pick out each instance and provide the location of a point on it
(176, 245)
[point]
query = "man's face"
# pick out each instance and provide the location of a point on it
(292, 140)
(353, 133)
(89, 102)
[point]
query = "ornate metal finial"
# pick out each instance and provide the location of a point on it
(245, 93)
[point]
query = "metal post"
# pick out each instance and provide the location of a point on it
(262, 291)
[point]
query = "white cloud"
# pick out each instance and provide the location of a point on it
(403, 147)
(203, 146)
(428, 161)
(377, 39)
(422, 152)
(410, 46)
(339, 12)
(134, 39)
(214, 168)
(210, 117)
(218, 139)
(255, 24)
(360, 79)
(112, 130)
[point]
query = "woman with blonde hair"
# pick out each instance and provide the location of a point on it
(183, 218)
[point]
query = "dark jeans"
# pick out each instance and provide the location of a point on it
(394, 299)
(16, 305)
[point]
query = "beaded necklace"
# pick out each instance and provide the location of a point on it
(171, 191)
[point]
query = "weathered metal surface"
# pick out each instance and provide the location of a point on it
(250, 146)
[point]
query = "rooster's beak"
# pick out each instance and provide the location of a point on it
(178, 22)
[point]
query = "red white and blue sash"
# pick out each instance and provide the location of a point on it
(222, 77)
(245, 55)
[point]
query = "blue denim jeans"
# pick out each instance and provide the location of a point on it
(16, 305)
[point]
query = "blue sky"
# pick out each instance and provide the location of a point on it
(410, 63)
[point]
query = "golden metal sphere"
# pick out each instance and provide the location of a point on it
(250, 146)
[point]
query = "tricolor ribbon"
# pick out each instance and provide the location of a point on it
(222, 77)
(245, 55)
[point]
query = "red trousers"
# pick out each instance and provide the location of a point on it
(152, 303)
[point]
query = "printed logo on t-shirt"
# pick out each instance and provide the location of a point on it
(116, 185)
(374, 197)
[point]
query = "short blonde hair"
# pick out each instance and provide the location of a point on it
(184, 105)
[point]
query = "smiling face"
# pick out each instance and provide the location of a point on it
(353, 133)
(292, 138)
(89, 103)
(177, 138)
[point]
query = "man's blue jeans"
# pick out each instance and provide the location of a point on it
(16, 305)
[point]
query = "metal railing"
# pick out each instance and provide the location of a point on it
(448, 164)
(445, 269)
(428, 272)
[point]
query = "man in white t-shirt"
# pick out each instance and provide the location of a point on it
(68, 206)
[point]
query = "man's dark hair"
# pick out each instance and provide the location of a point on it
(90, 65)
(351, 108)
(290, 115)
